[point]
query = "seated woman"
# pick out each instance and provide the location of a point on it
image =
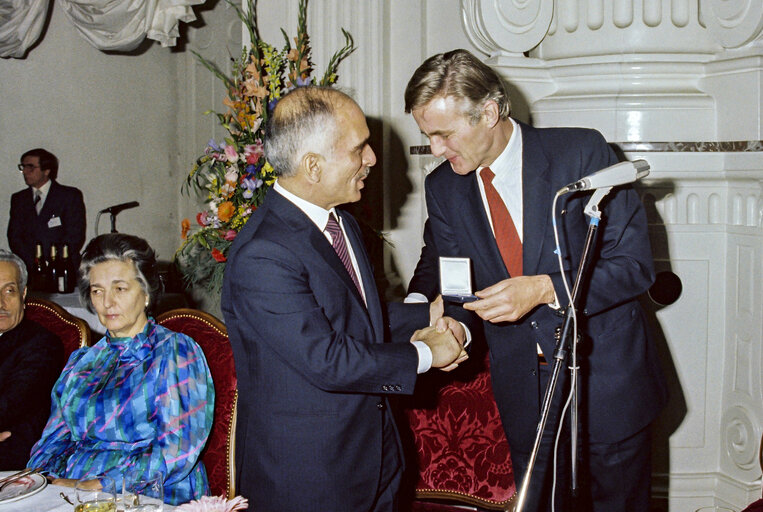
(142, 397)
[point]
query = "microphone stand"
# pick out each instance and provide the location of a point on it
(113, 218)
(565, 339)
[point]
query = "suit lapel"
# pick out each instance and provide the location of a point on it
(536, 213)
(372, 303)
(477, 227)
(305, 229)
(50, 200)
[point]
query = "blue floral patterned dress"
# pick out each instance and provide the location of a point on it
(144, 402)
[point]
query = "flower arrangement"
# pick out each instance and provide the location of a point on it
(214, 504)
(233, 176)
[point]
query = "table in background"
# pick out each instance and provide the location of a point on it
(47, 500)
(70, 302)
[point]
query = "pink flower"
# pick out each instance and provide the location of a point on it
(201, 219)
(230, 235)
(214, 504)
(253, 152)
(231, 154)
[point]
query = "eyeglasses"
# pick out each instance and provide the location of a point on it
(27, 166)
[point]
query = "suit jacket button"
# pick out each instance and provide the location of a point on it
(534, 324)
(380, 406)
(385, 387)
(398, 387)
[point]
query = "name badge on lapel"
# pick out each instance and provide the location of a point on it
(54, 222)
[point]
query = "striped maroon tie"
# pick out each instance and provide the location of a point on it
(340, 246)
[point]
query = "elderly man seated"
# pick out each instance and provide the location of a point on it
(30, 362)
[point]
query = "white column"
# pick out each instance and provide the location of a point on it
(678, 83)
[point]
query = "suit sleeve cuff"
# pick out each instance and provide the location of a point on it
(425, 356)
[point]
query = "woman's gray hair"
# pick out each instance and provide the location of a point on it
(461, 75)
(12, 258)
(120, 247)
(303, 121)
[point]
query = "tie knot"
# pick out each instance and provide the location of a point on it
(487, 175)
(332, 226)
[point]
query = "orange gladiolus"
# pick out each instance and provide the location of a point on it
(185, 226)
(225, 211)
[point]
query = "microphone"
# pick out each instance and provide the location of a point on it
(618, 174)
(113, 210)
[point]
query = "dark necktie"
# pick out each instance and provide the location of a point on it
(37, 200)
(506, 235)
(340, 246)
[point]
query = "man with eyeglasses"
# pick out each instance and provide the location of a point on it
(46, 212)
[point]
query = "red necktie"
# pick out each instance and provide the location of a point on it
(505, 232)
(340, 246)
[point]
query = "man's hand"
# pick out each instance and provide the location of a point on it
(444, 346)
(457, 329)
(436, 310)
(4, 435)
(511, 299)
(454, 326)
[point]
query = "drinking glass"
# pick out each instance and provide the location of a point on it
(95, 495)
(143, 492)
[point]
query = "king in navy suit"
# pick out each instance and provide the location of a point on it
(58, 216)
(309, 332)
(462, 105)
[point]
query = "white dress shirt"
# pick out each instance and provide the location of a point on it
(43, 192)
(508, 179)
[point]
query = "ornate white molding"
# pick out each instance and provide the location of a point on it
(511, 26)
(577, 28)
(740, 437)
(733, 23)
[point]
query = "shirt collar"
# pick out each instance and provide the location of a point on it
(315, 213)
(507, 166)
(43, 189)
(138, 347)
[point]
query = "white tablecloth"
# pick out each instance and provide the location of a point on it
(47, 500)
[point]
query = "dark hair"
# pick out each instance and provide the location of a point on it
(457, 74)
(120, 247)
(47, 161)
(303, 121)
(12, 258)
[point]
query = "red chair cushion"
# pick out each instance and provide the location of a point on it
(212, 337)
(756, 506)
(72, 331)
(461, 448)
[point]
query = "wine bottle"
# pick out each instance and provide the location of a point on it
(66, 276)
(53, 270)
(38, 275)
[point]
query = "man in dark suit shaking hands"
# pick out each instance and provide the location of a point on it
(45, 212)
(491, 201)
(308, 330)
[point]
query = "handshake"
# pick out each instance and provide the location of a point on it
(445, 337)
